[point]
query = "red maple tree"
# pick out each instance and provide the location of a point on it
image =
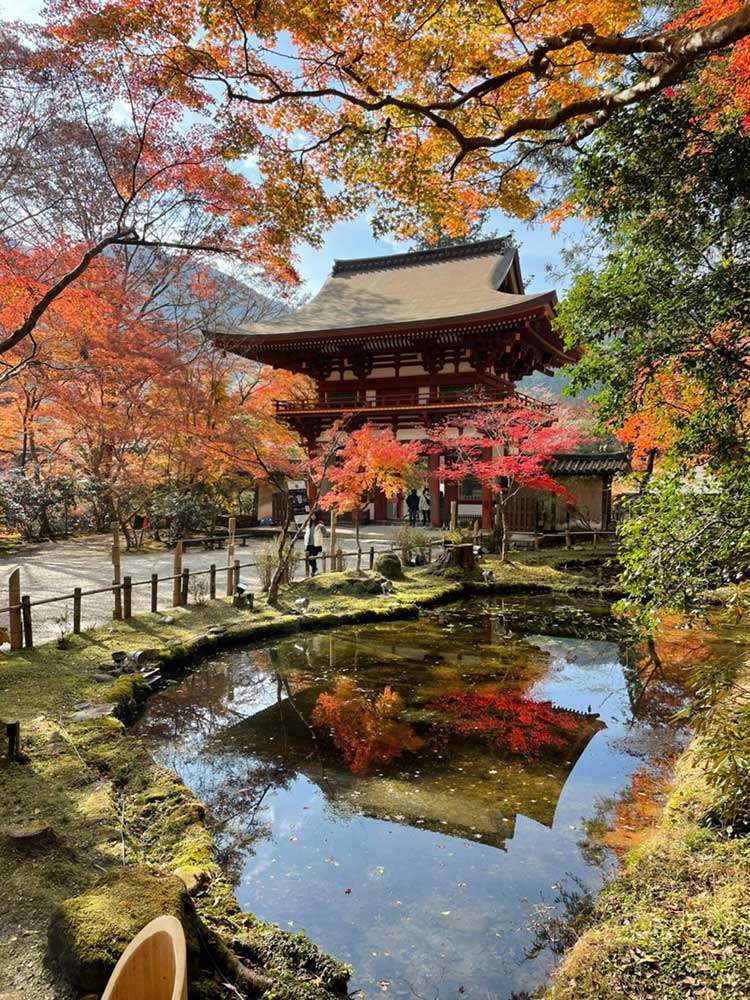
(367, 732)
(507, 448)
(370, 459)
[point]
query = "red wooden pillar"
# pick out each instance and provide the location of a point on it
(433, 469)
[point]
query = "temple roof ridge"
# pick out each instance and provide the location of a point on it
(416, 258)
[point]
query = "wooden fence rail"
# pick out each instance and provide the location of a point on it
(19, 606)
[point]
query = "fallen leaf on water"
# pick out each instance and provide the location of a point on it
(348, 892)
(384, 984)
(461, 989)
(445, 913)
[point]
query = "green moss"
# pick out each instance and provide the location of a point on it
(389, 565)
(89, 932)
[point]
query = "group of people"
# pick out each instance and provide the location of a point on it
(418, 504)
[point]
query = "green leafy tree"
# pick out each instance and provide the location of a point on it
(662, 312)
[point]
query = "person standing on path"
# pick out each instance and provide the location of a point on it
(314, 538)
(424, 506)
(412, 505)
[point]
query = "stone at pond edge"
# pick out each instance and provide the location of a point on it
(93, 712)
(88, 933)
(193, 878)
(389, 565)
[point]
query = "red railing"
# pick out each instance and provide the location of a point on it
(402, 400)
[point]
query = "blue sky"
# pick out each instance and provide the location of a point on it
(539, 248)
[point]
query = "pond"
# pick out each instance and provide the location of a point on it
(423, 798)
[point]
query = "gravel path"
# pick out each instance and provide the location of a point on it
(51, 569)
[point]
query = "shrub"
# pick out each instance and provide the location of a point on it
(411, 541)
(388, 565)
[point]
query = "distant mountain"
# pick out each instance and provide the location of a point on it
(550, 384)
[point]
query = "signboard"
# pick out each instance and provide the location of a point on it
(298, 500)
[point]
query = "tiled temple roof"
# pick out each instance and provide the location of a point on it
(592, 464)
(465, 281)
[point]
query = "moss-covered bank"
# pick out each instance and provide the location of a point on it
(93, 831)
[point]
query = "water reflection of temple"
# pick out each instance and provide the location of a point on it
(467, 789)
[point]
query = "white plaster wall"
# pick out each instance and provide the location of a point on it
(588, 493)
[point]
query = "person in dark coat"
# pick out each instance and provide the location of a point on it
(412, 505)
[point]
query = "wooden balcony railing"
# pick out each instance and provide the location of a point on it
(405, 400)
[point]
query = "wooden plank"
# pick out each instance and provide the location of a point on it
(13, 733)
(230, 556)
(333, 537)
(116, 570)
(212, 582)
(154, 592)
(154, 964)
(185, 584)
(127, 597)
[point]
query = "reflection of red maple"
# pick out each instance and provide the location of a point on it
(367, 733)
(512, 722)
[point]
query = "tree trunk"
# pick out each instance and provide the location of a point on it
(283, 552)
(504, 536)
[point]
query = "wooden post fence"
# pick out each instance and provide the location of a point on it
(235, 575)
(185, 581)
(28, 637)
(230, 556)
(212, 582)
(372, 556)
(454, 515)
(14, 598)
(154, 592)
(127, 597)
(177, 574)
(76, 611)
